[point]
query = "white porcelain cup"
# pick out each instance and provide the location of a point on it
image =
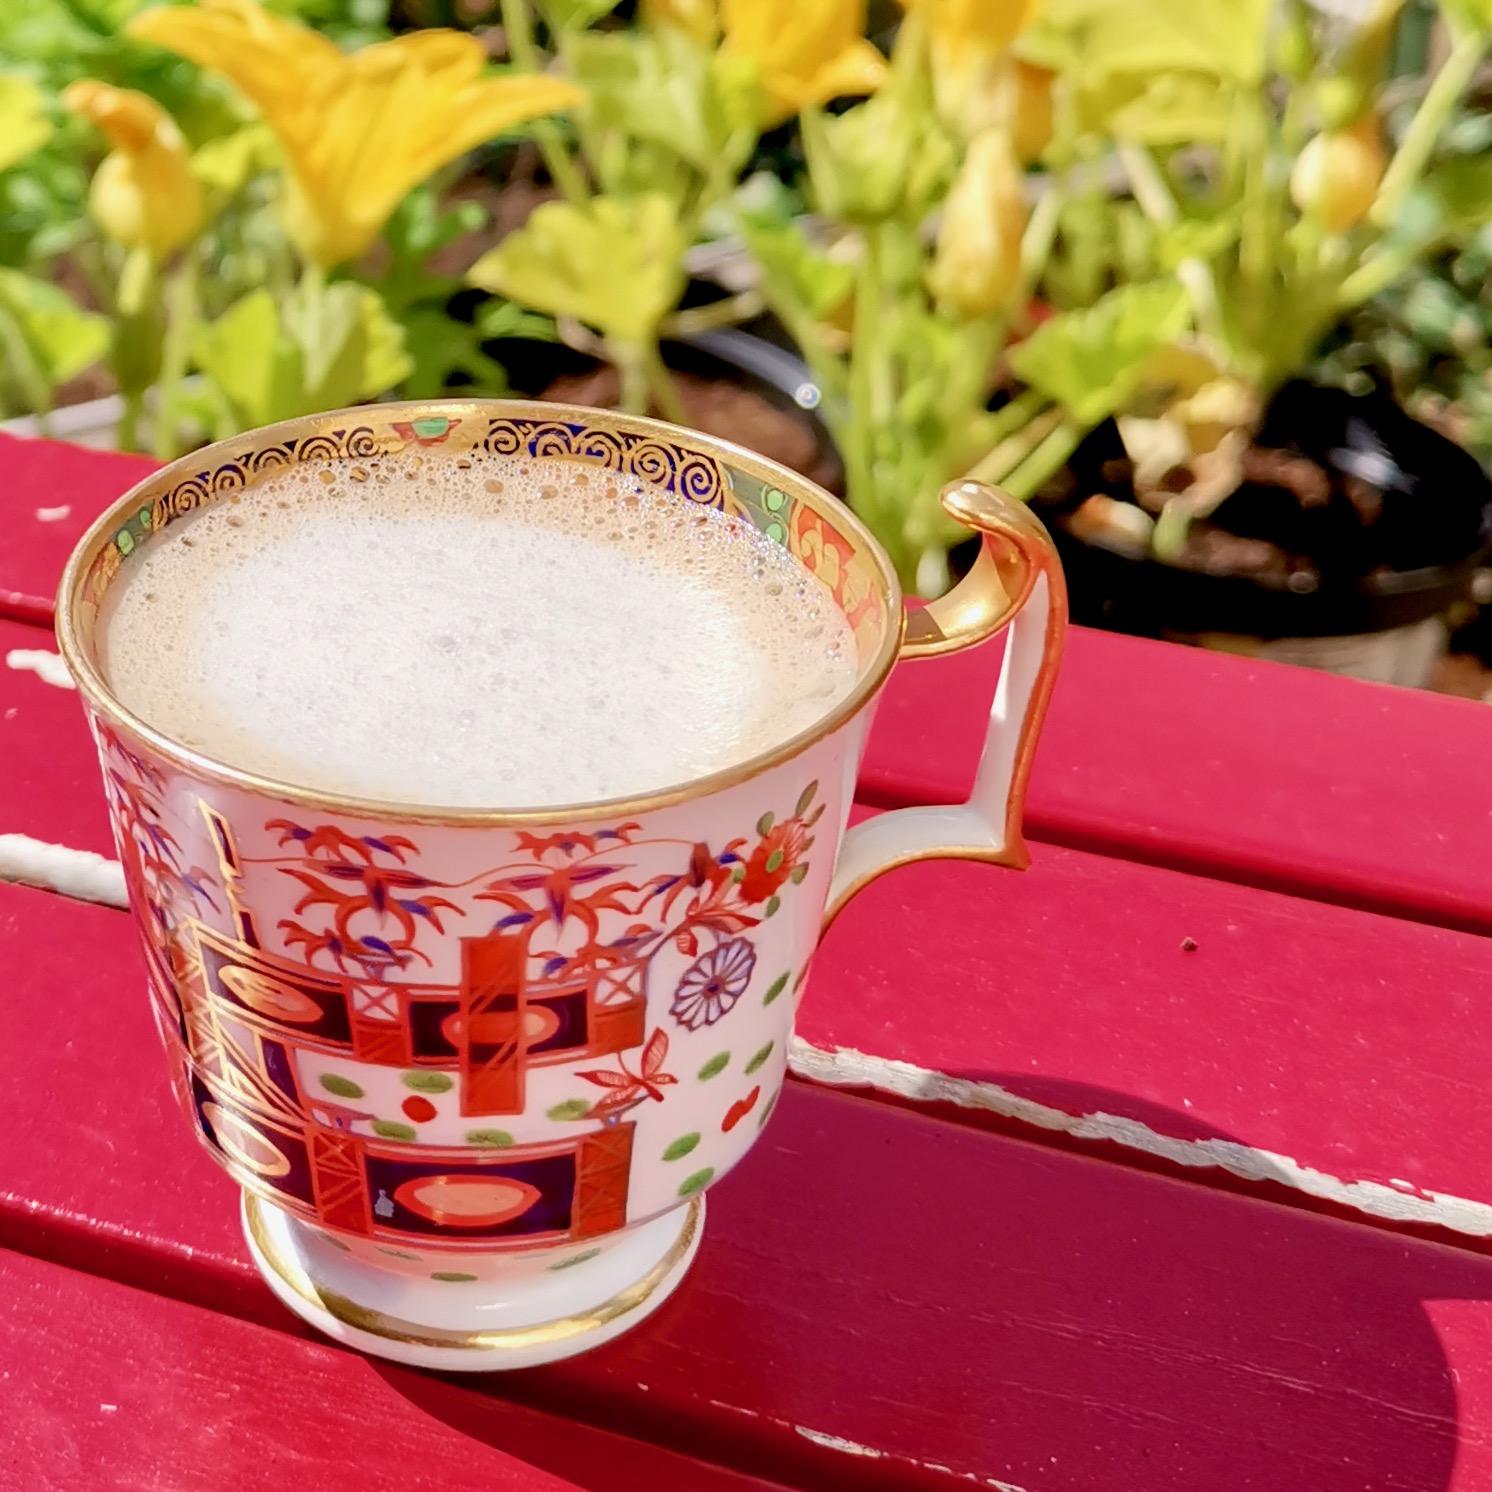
(475, 1071)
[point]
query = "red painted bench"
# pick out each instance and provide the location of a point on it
(1064, 1233)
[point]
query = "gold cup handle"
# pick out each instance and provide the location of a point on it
(1016, 581)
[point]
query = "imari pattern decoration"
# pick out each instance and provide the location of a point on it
(371, 1039)
(476, 1070)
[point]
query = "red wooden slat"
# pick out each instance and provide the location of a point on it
(1335, 1052)
(1343, 1048)
(1274, 776)
(109, 1387)
(38, 477)
(881, 1300)
(1283, 777)
(53, 790)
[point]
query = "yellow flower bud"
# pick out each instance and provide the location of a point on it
(805, 51)
(977, 262)
(1336, 176)
(143, 195)
(1029, 90)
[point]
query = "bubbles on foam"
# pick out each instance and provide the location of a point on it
(484, 632)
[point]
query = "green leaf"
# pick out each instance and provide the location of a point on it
(499, 318)
(245, 355)
(795, 270)
(1226, 38)
(773, 903)
(805, 798)
(758, 1057)
(44, 338)
(774, 989)
(23, 120)
(428, 1082)
(652, 86)
(575, 15)
(1092, 361)
(1469, 15)
(1167, 108)
(446, 355)
(764, 824)
(498, 1139)
(452, 1276)
(681, 1147)
(329, 345)
(571, 1108)
(616, 264)
(715, 1065)
(392, 1129)
(1197, 238)
(334, 1082)
(226, 163)
(1453, 196)
(691, 1184)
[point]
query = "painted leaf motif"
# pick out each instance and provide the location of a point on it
(653, 1055)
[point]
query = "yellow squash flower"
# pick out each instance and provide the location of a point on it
(143, 194)
(968, 45)
(986, 25)
(358, 131)
(805, 51)
(977, 263)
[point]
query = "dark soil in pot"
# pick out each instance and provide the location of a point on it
(733, 384)
(1351, 518)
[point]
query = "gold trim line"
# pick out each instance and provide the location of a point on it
(508, 1339)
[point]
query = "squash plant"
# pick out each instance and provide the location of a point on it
(1248, 159)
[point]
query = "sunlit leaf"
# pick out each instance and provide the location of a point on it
(1091, 361)
(61, 339)
(1225, 38)
(615, 264)
(23, 122)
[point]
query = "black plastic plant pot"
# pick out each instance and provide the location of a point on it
(735, 356)
(1335, 574)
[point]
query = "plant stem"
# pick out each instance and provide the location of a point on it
(128, 434)
(1044, 462)
(730, 311)
(860, 422)
(518, 25)
(627, 359)
(181, 320)
(660, 381)
(1015, 447)
(1413, 154)
(1157, 203)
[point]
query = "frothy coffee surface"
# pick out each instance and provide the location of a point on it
(509, 635)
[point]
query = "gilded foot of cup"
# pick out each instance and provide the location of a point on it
(472, 1325)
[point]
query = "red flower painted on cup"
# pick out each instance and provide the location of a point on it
(779, 854)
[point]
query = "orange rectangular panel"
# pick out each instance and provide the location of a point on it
(617, 1028)
(491, 1025)
(337, 1178)
(603, 1161)
(379, 1041)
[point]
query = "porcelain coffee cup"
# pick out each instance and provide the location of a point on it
(475, 1071)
